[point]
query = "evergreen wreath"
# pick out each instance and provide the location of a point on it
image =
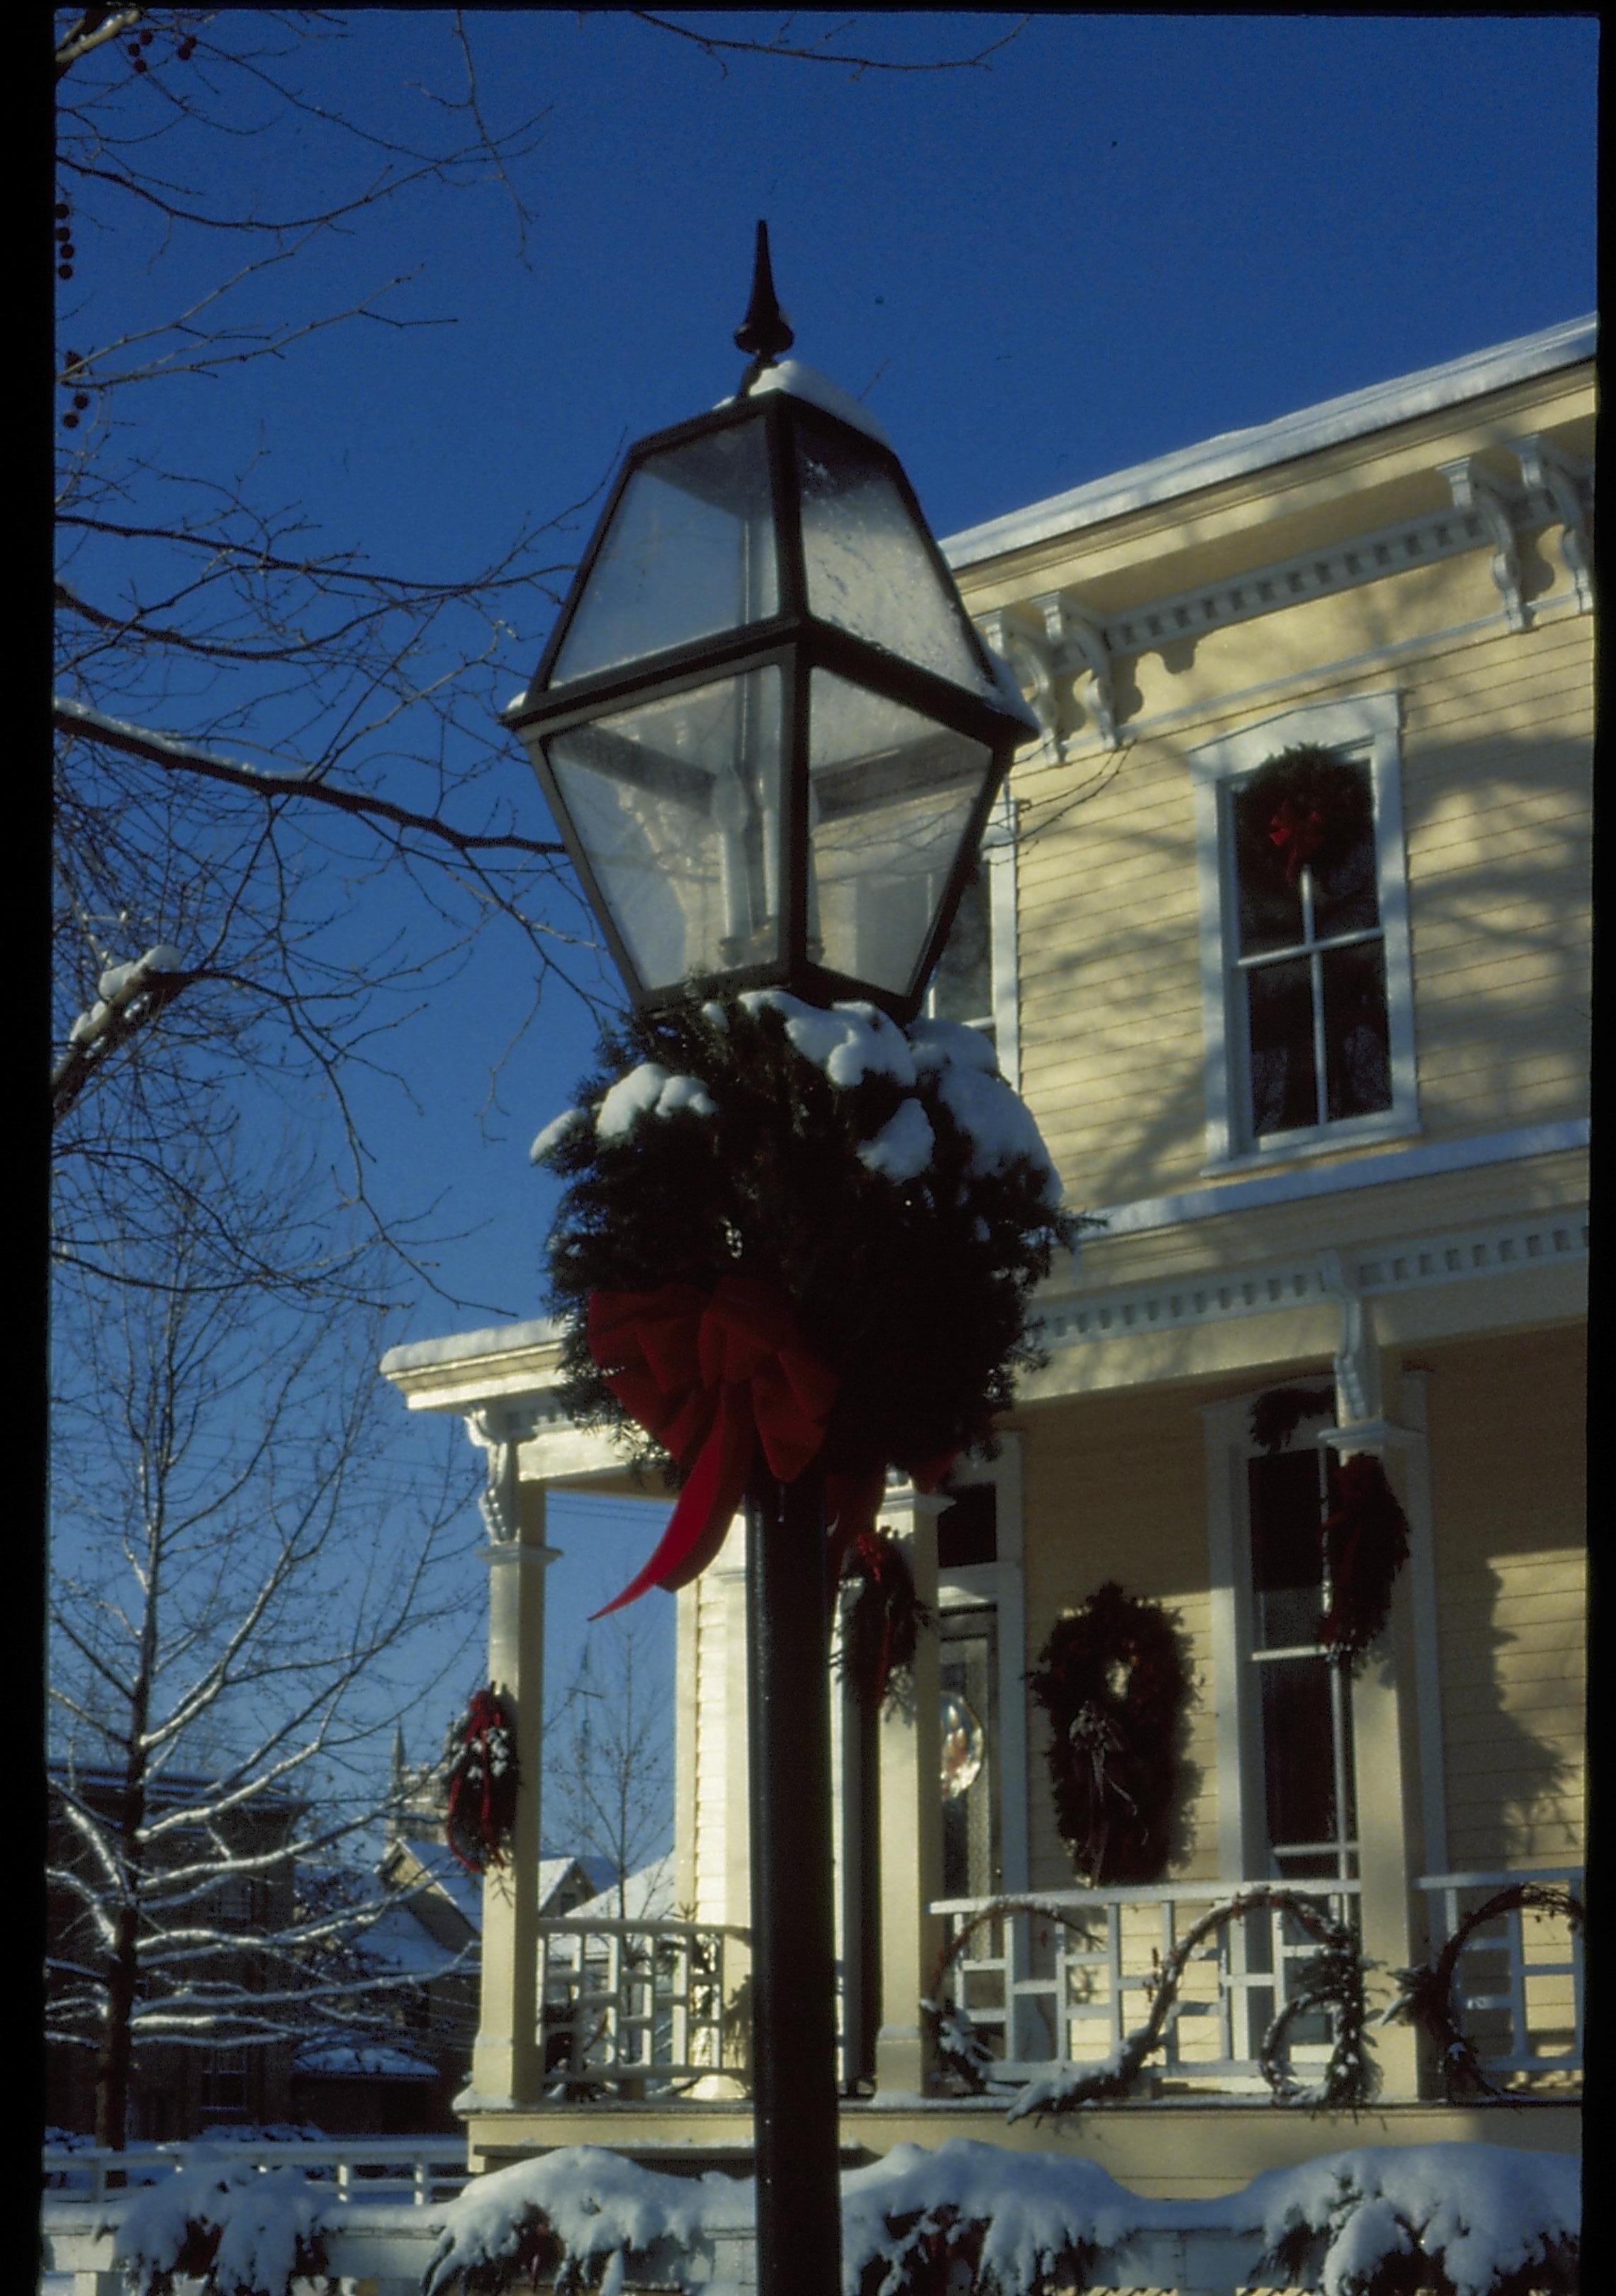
(1112, 1678)
(882, 1622)
(888, 1184)
(1306, 807)
(483, 1781)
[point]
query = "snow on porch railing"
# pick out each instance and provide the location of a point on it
(644, 2006)
(418, 2169)
(1518, 1982)
(1064, 1977)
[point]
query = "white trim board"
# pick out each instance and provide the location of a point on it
(1264, 1189)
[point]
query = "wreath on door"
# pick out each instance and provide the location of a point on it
(1112, 1680)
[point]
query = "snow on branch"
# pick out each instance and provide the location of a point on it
(74, 718)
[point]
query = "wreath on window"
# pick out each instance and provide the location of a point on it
(1306, 805)
(1112, 1679)
(483, 1780)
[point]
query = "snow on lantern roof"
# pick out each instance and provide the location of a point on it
(806, 382)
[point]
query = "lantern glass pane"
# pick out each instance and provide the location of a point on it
(868, 569)
(890, 798)
(677, 804)
(690, 551)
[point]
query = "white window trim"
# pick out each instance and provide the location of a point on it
(1237, 1734)
(999, 856)
(1368, 726)
(1001, 1584)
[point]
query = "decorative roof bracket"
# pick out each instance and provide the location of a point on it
(1549, 470)
(1474, 488)
(1064, 642)
(498, 1429)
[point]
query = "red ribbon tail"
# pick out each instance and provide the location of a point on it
(697, 1528)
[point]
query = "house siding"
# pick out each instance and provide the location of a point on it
(1507, 1423)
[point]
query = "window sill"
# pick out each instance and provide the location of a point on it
(1333, 1142)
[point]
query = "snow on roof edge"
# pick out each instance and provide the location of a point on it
(1230, 453)
(497, 1339)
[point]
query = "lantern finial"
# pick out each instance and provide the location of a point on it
(764, 331)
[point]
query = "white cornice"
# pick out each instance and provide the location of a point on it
(1233, 453)
(1494, 1246)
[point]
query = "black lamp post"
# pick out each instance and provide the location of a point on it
(770, 737)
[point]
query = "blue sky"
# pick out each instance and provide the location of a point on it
(1123, 234)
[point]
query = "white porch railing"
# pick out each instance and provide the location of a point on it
(411, 2169)
(1519, 1980)
(1068, 1979)
(641, 2005)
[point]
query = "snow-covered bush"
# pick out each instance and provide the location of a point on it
(240, 2232)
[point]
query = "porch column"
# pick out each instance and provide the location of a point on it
(911, 1825)
(1386, 1716)
(507, 2060)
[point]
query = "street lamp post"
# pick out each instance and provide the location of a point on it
(770, 737)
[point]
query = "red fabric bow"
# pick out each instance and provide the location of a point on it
(1297, 835)
(713, 1376)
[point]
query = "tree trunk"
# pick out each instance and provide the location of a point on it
(112, 2061)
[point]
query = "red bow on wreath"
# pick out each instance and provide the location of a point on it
(713, 1377)
(1298, 835)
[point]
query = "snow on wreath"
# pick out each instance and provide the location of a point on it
(851, 1214)
(483, 1780)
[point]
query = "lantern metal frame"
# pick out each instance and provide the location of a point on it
(795, 641)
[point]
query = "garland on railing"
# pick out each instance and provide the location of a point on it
(483, 1781)
(1426, 1997)
(1112, 1679)
(1332, 1980)
(882, 1622)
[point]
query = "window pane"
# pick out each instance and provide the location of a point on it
(1284, 1090)
(1299, 1749)
(962, 987)
(686, 854)
(1344, 893)
(890, 797)
(868, 570)
(690, 551)
(1287, 1546)
(967, 1530)
(1358, 1052)
(1270, 909)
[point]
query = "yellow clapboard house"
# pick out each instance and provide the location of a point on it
(1329, 1103)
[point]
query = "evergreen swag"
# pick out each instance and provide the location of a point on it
(1364, 1534)
(1304, 807)
(913, 1290)
(882, 1621)
(483, 1780)
(1112, 1679)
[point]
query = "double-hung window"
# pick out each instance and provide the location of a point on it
(1305, 961)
